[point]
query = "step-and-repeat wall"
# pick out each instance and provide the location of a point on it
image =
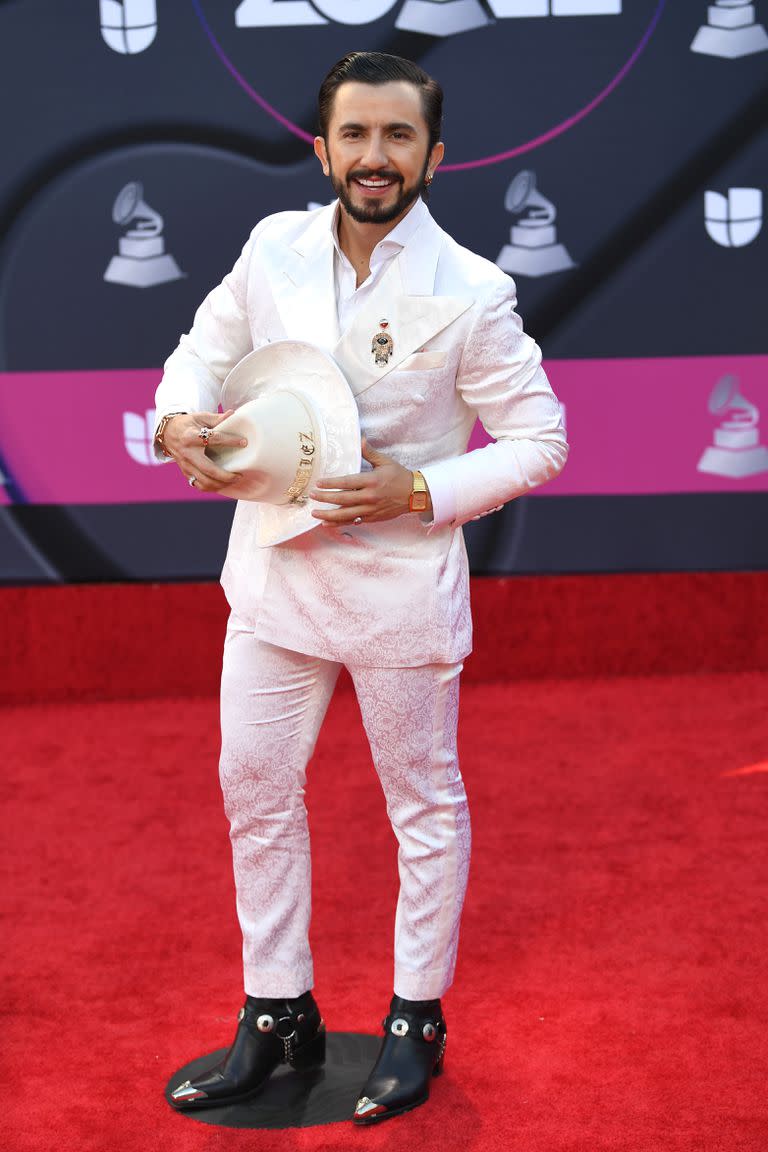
(609, 154)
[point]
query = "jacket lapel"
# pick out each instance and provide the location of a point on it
(302, 281)
(404, 297)
(302, 284)
(412, 320)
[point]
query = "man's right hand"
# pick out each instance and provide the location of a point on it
(182, 439)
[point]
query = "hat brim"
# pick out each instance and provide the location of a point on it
(305, 369)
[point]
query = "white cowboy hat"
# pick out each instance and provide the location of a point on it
(296, 410)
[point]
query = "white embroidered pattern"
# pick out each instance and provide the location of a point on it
(273, 702)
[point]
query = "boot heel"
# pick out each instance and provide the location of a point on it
(312, 1052)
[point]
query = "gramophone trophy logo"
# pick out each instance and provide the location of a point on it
(731, 31)
(142, 261)
(737, 451)
(128, 27)
(533, 249)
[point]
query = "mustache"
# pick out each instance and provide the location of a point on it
(367, 174)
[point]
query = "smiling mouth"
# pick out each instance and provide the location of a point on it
(374, 183)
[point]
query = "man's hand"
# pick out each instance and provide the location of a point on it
(382, 494)
(182, 439)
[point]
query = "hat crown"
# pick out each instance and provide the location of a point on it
(292, 403)
(284, 445)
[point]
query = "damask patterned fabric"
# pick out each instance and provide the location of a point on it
(272, 705)
(389, 600)
(394, 593)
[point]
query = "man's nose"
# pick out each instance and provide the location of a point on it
(375, 155)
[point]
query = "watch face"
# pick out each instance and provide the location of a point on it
(418, 502)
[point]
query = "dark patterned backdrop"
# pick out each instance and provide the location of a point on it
(609, 154)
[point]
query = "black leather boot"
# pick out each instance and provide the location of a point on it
(269, 1032)
(412, 1052)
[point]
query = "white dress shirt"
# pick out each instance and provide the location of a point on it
(350, 299)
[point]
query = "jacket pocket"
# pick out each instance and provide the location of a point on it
(423, 361)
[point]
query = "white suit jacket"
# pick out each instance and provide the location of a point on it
(395, 593)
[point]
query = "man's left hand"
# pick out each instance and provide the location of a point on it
(381, 494)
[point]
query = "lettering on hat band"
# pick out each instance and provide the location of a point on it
(295, 493)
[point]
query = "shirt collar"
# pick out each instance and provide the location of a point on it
(394, 241)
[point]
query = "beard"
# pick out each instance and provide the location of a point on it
(375, 213)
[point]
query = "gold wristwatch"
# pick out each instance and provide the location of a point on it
(419, 500)
(161, 432)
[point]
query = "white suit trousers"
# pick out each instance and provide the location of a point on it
(273, 702)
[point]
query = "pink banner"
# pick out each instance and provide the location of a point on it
(85, 438)
(660, 425)
(635, 426)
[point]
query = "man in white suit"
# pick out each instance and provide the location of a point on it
(427, 336)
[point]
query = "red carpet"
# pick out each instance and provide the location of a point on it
(611, 991)
(81, 642)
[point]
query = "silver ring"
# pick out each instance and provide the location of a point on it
(357, 520)
(192, 481)
(205, 434)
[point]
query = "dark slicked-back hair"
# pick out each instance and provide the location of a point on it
(379, 68)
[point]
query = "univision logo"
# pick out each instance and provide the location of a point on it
(430, 17)
(138, 437)
(733, 221)
(128, 27)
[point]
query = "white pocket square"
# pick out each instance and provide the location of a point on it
(422, 361)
